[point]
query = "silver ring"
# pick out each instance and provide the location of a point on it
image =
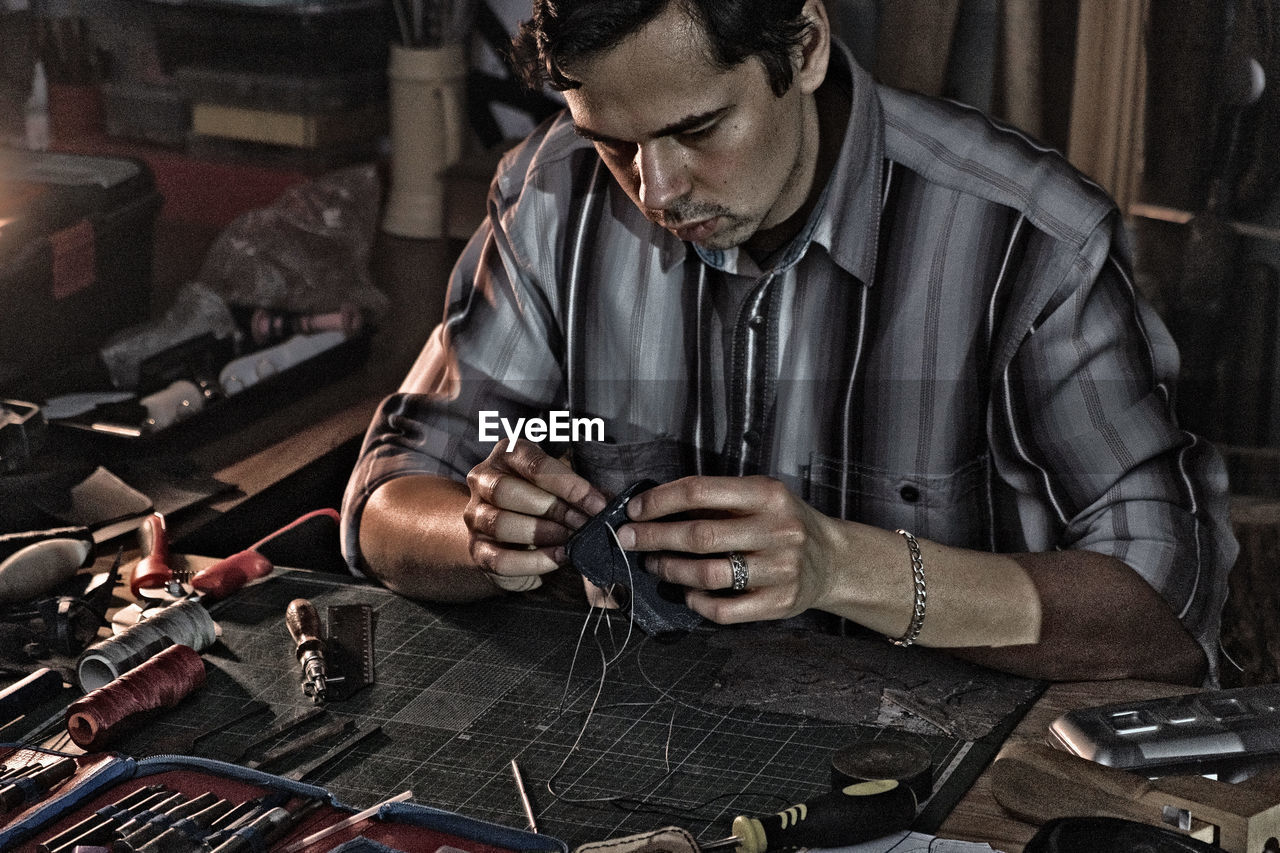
(738, 564)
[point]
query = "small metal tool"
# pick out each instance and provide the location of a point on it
(277, 730)
(35, 784)
(333, 829)
(331, 729)
(104, 816)
(525, 802)
(185, 744)
(270, 828)
(337, 753)
(350, 644)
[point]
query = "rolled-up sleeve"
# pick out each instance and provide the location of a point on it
(494, 351)
(1089, 407)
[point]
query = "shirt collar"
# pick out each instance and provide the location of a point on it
(846, 219)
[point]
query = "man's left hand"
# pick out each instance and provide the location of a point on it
(787, 545)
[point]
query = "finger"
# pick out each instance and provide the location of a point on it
(750, 606)
(714, 573)
(553, 476)
(496, 485)
(734, 494)
(497, 559)
(598, 597)
(513, 527)
(520, 583)
(697, 536)
(509, 491)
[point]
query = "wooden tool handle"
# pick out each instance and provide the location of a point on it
(1037, 783)
(304, 625)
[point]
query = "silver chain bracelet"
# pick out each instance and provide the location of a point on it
(917, 574)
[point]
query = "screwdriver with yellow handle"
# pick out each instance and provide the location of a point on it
(852, 814)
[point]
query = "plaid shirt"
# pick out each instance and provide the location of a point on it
(953, 345)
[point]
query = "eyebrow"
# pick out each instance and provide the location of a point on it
(682, 126)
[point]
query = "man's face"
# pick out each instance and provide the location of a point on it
(711, 155)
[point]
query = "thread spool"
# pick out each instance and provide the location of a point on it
(95, 720)
(884, 759)
(184, 622)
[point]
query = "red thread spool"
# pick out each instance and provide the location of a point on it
(162, 682)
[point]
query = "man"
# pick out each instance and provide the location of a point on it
(815, 310)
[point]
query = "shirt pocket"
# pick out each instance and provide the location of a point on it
(952, 508)
(612, 467)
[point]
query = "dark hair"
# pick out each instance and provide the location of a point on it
(562, 32)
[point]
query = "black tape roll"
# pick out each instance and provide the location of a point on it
(885, 758)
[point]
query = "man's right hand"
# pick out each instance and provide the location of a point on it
(524, 506)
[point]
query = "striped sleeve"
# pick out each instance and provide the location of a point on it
(1087, 403)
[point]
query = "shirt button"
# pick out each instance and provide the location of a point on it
(751, 437)
(910, 494)
(755, 321)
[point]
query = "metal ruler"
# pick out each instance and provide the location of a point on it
(350, 648)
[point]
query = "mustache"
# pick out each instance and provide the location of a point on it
(681, 213)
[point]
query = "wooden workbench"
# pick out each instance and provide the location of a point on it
(978, 817)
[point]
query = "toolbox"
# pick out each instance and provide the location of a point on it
(76, 243)
(102, 780)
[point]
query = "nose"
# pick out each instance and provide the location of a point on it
(663, 175)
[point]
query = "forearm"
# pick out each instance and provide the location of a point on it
(1105, 622)
(1059, 615)
(415, 541)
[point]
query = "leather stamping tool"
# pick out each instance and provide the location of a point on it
(338, 662)
(304, 627)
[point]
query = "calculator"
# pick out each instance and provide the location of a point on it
(1213, 732)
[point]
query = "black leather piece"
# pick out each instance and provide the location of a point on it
(657, 607)
(1111, 835)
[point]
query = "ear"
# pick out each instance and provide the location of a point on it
(815, 49)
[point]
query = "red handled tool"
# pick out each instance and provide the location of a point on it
(155, 569)
(219, 580)
(228, 575)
